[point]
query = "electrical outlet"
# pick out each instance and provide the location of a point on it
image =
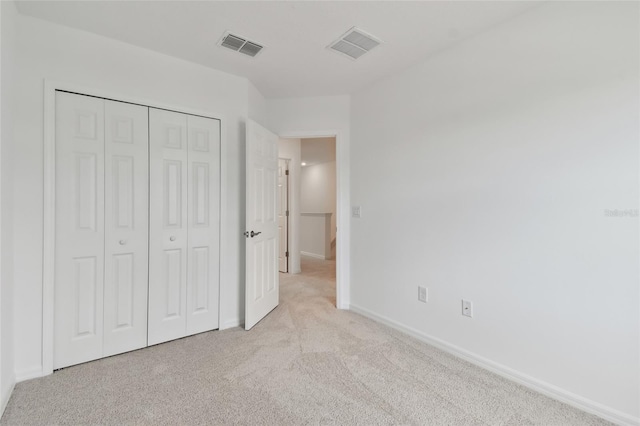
(423, 294)
(467, 308)
(356, 211)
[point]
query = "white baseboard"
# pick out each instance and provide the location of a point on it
(31, 373)
(4, 400)
(317, 256)
(236, 322)
(540, 386)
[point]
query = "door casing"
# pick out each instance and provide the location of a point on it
(286, 219)
(343, 210)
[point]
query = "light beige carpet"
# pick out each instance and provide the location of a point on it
(306, 363)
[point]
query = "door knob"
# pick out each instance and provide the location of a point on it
(122, 242)
(172, 238)
(255, 234)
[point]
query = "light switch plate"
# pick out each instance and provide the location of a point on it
(356, 211)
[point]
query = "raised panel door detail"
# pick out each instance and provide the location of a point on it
(282, 200)
(79, 229)
(259, 147)
(271, 196)
(86, 188)
(258, 268)
(201, 278)
(261, 254)
(173, 137)
(271, 273)
(126, 227)
(173, 282)
(122, 129)
(272, 149)
(201, 142)
(258, 185)
(123, 191)
(169, 214)
(86, 125)
(173, 193)
(123, 284)
(84, 300)
(201, 193)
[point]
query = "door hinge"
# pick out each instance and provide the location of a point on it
(286, 254)
(287, 213)
(286, 172)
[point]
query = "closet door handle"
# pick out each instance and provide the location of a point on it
(255, 234)
(122, 242)
(172, 238)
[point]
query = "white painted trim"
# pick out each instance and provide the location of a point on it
(236, 322)
(540, 386)
(31, 373)
(288, 249)
(48, 252)
(223, 215)
(317, 256)
(343, 219)
(49, 228)
(5, 398)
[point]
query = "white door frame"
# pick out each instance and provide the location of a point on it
(49, 184)
(287, 221)
(343, 219)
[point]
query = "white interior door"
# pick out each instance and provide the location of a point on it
(283, 214)
(168, 224)
(126, 227)
(79, 245)
(203, 257)
(261, 275)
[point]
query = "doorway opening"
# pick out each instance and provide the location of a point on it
(310, 237)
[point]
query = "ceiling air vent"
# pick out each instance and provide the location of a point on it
(354, 43)
(240, 44)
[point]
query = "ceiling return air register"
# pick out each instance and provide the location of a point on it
(354, 43)
(240, 44)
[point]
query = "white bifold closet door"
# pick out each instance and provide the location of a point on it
(101, 261)
(184, 225)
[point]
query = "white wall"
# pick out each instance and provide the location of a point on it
(318, 195)
(316, 117)
(484, 173)
(8, 19)
(319, 177)
(290, 149)
(315, 235)
(49, 51)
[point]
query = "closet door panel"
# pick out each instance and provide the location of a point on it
(79, 260)
(126, 227)
(203, 277)
(168, 225)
